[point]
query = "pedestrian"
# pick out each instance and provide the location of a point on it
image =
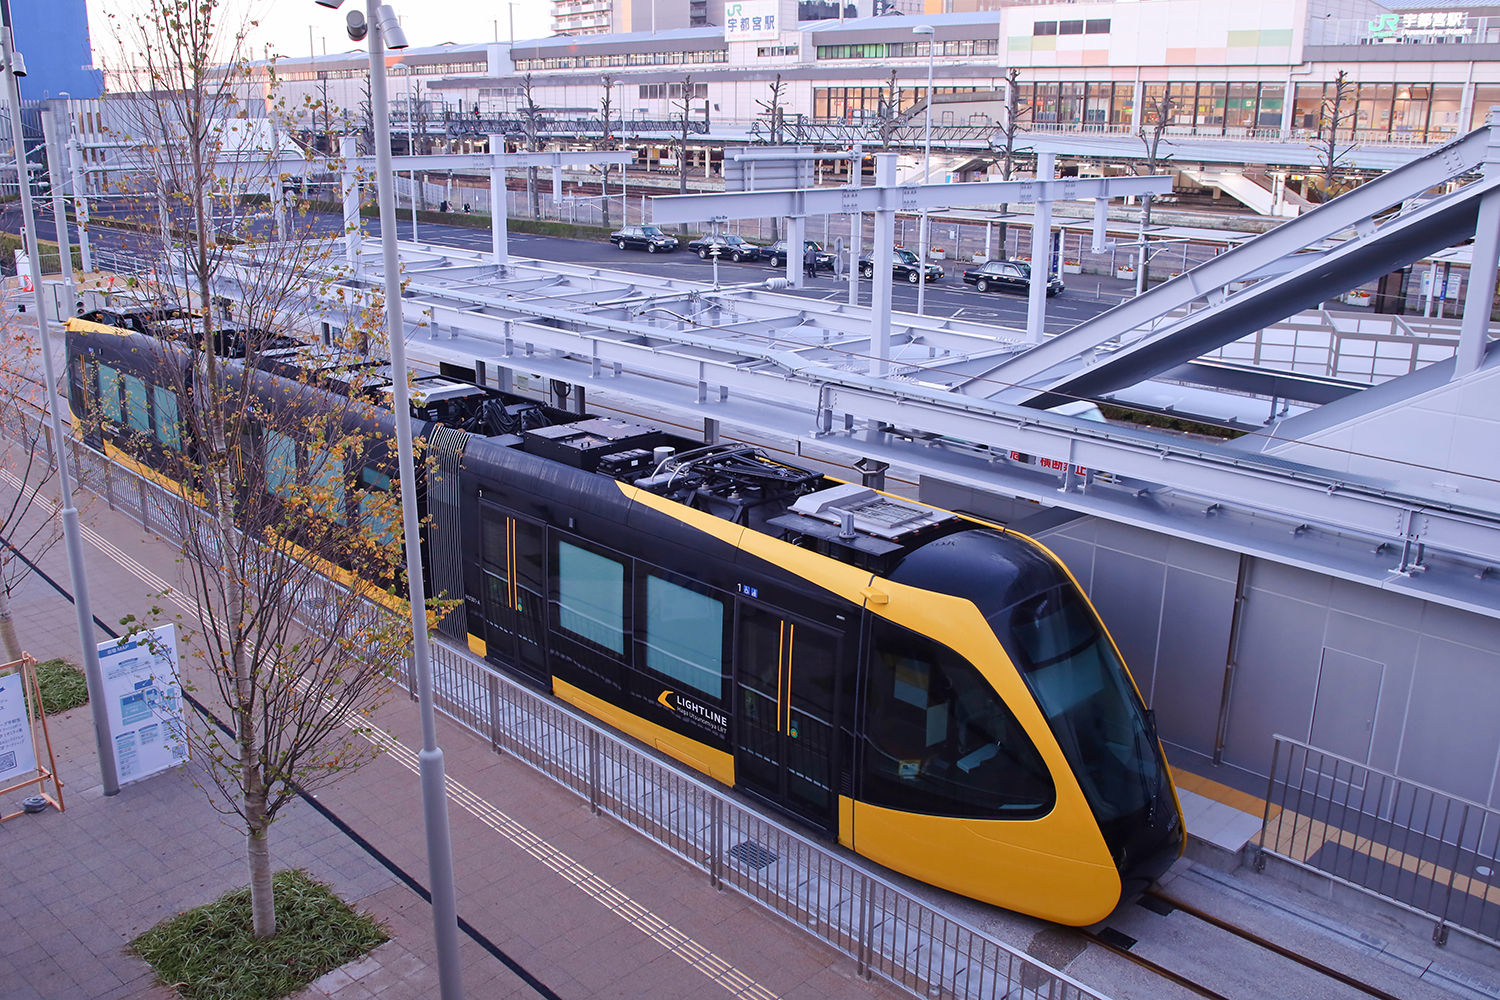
(443, 206)
(466, 208)
(810, 262)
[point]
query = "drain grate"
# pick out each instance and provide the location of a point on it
(753, 855)
(1115, 939)
(1156, 905)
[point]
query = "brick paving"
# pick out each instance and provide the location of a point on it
(81, 884)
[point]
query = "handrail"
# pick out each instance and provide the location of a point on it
(1389, 837)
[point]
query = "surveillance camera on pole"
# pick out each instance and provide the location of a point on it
(388, 34)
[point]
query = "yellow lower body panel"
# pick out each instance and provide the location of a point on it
(713, 762)
(996, 862)
(478, 647)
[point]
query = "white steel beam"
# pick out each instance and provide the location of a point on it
(1484, 268)
(1454, 159)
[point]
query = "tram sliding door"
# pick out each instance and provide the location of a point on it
(514, 590)
(784, 676)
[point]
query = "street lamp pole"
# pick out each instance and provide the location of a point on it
(72, 537)
(922, 233)
(384, 29)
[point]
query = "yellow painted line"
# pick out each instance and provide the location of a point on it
(736, 982)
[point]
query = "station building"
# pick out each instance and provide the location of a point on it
(1414, 75)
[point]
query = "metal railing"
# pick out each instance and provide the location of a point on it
(885, 930)
(1421, 849)
(1363, 349)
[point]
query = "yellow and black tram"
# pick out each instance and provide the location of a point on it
(935, 693)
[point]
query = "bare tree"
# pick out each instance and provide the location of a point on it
(890, 117)
(773, 111)
(1013, 111)
(284, 482)
(606, 143)
(686, 106)
(1158, 117)
(531, 120)
(1335, 133)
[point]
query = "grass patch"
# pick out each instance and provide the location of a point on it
(63, 686)
(210, 954)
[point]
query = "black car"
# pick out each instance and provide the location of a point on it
(730, 247)
(647, 238)
(904, 266)
(1009, 275)
(776, 252)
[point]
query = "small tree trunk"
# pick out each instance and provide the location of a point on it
(262, 898)
(8, 629)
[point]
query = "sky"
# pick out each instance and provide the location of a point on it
(284, 23)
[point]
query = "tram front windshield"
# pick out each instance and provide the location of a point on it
(1080, 684)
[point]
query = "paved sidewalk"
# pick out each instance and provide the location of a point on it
(583, 905)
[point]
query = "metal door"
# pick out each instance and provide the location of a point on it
(785, 672)
(514, 591)
(1344, 706)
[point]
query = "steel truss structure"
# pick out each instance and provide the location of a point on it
(962, 401)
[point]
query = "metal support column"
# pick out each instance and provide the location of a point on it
(353, 234)
(1479, 297)
(72, 535)
(1041, 254)
(80, 199)
(499, 210)
(430, 758)
(52, 136)
(880, 283)
(796, 236)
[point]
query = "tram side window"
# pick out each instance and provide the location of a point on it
(326, 474)
(136, 406)
(378, 514)
(281, 462)
(164, 405)
(685, 636)
(938, 739)
(109, 394)
(591, 596)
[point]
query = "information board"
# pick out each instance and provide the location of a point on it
(143, 696)
(17, 751)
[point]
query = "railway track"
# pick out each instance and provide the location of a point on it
(1159, 903)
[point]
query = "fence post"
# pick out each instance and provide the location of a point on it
(866, 927)
(1265, 820)
(1440, 932)
(411, 678)
(109, 485)
(716, 844)
(594, 771)
(47, 433)
(140, 493)
(493, 681)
